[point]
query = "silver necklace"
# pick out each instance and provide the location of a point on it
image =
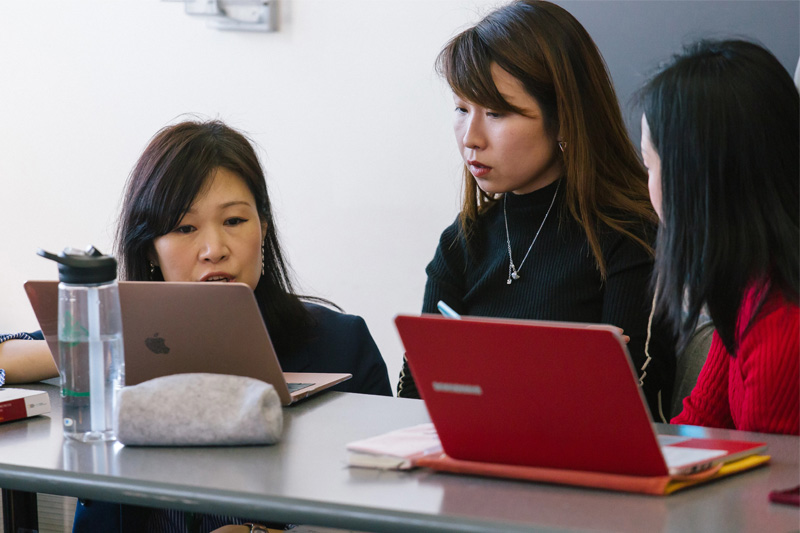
(513, 271)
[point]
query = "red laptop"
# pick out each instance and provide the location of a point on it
(545, 394)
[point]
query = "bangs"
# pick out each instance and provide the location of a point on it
(466, 65)
(184, 172)
(165, 215)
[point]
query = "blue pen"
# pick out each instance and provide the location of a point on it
(446, 310)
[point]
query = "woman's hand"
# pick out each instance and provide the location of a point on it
(621, 332)
(241, 529)
(626, 338)
(26, 361)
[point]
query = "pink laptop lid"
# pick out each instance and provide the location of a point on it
(545, 394)
(181, 327)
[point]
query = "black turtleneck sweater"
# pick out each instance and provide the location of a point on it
(558, 281)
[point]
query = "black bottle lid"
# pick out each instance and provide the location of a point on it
(79, 267)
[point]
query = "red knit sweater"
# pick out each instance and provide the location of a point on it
(759, 388)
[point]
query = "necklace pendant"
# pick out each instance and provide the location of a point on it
(513, 274)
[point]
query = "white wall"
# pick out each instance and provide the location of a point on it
(354, 124)
(343, 99)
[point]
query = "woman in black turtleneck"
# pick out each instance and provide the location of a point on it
(556, 222)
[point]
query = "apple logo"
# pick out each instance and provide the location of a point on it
(156, 344)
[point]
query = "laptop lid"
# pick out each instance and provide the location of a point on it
(535, 393)
(183, 327)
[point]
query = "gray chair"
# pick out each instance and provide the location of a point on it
(690, 362)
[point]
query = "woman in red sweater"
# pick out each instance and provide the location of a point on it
(720, 140)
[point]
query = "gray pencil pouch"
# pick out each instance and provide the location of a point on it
(199, 410)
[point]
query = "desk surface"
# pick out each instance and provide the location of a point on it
(304, 479)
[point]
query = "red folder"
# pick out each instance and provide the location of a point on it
(654, 485)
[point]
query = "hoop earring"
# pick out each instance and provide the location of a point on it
(262, 259)
(152, 269)
(562, 145)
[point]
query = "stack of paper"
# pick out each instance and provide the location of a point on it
(396, 450)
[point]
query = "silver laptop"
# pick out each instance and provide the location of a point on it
(183, 327)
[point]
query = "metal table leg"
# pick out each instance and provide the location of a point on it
(20, 512)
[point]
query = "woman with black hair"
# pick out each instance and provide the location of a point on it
(720, 137)
(196, 208)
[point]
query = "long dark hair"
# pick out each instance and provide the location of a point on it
(724, 117)
(558, 63)
(169, 174)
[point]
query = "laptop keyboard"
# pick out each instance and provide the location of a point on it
(297, 386)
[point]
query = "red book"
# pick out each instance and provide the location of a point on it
(22, 403)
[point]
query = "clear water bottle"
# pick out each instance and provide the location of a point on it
(91, 359)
